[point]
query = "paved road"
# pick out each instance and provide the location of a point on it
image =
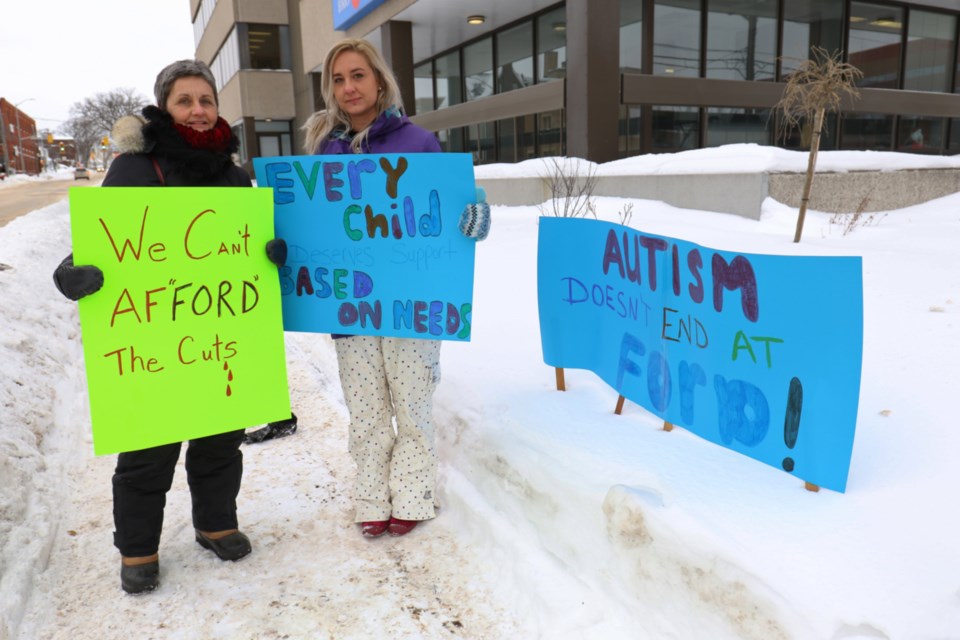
(26, 197)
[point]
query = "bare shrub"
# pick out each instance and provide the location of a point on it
(818, 85)
(850, 221)
(626, 214)
(571, 195)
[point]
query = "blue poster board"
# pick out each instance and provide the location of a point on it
(373, 243)
(758, 353)
(348, 12)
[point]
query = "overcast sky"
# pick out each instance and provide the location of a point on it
(59, 52)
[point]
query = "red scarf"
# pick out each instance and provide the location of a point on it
(215, 139)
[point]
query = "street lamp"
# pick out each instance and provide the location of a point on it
(19, 144)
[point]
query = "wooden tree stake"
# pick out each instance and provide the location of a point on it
(667, 426)
(809, 486)
(619, 408)
(561, 386)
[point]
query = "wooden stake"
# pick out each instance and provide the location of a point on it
(809, 486)
(667, 426)
(619, 408)
(561, 386)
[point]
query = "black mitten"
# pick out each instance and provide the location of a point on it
(76, 282)
(273, 430)
(277, 251)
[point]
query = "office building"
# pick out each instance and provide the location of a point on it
(508, 80)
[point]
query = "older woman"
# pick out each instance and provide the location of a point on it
(181, 141)
(383, 377)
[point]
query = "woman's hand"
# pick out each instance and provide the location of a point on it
(76, 282)
(475, 218)
(277, 251)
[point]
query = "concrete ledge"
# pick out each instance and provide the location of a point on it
(743, 193)
(739, 193)
(866, 190)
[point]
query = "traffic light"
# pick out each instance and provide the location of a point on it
(49, 138)
(104, 142)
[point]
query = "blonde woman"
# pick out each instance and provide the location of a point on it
(383, 377)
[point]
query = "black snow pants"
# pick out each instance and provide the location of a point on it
(142, 478)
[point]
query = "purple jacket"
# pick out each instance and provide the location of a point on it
(391, 132)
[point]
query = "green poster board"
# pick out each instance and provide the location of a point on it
(185, 339)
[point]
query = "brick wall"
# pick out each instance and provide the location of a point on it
(18, 144)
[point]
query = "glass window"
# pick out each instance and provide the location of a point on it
(629, 130)
(867, 131)
(515, 140)
(203, 17)
(733, 126)
(631, 35)
(552, 45)
(920, 135)
(875, 34)
(675, 128)
(241, 139)
(481, 142)
(955, 136)
(227, 61)
(478, 69)
(515, 58)
(550, 134)
(273, 138)
(742, 40)
(807, 24)
(956, 80)
(930, 43)
(451, 140)
(506, 140)
(449, 87)
(423, 87)
(676, 38)
(526, 132)
(799, 137)
(266, 44)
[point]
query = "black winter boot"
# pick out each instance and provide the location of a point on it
(140, 578)
(230, 547)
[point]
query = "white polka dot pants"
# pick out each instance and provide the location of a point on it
(383, 378)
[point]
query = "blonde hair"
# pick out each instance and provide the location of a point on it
(320, 124)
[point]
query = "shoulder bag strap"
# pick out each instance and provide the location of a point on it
(156, 167)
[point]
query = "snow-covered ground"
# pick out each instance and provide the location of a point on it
(559, 518)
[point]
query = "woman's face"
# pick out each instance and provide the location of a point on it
(355, 88)
(191, 103)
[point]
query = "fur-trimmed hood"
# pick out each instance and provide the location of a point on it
(127, 134)
(154, 133)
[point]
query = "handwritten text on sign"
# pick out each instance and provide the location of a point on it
(758, 353)
(373, 243)
(185, 338)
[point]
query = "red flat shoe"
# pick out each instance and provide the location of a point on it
(374, 529)
(400, 527)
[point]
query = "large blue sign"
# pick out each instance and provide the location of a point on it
(373, 243)
(347, 12)
(758, 353)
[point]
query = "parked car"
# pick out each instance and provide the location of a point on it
(80, 173)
